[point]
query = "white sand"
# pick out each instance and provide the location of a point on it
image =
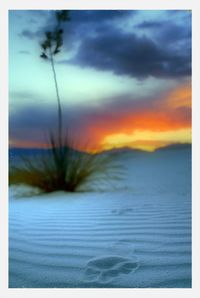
(138, 235)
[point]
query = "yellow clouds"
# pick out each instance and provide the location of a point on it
(146, 139)
(166, 121)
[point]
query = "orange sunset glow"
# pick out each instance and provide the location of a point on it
(163, 123)
(127, 84)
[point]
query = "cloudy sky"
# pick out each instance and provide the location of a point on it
(124, 78)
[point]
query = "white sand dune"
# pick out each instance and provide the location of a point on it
(137, 235)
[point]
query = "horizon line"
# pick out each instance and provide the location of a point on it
(107, 150)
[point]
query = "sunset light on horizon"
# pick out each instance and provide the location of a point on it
(124, 79)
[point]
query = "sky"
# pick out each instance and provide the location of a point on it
(124, 78)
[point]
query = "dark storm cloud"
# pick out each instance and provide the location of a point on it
(176, 38)
(172, 33)
(159, 48)
(95, 16)
(166, 31)
(129, 54)
(163, 52)
(82, 23)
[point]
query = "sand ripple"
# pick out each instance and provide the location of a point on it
(100, 241)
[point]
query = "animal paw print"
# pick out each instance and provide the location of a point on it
(106, 268)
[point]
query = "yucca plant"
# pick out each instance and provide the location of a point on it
(63, 167)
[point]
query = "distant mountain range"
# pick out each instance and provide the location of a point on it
(139, 151)
(125, 150)
(34, 151)
(175, 147)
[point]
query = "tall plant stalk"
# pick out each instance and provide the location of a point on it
(51, 46)
(60, 121)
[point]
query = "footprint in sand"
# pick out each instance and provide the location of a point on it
(105, 268)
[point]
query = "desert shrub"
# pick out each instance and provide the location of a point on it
(61, 168)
